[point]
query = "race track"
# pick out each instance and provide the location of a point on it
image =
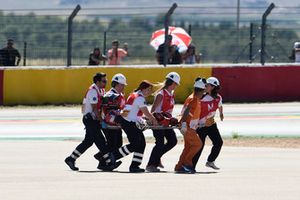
(266, 119)
(34, 142)
(31, 170)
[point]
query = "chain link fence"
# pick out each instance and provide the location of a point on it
(214, 32)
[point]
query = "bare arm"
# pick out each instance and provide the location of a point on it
(111, 54)
(221, 113)
(103, 57)
(125, 47)
(96, 111)
(157, 101)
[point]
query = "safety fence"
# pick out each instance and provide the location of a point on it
(221, 34)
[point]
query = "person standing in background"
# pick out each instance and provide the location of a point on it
(160, 51)
(9, 56)
(190, 56)
(96, 57)
(296, 53)
(175, 57)
(116, 54)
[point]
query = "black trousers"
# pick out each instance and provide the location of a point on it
(214, 135)
(93, 134)
(161, 147)
(137, 143)
(114, 139)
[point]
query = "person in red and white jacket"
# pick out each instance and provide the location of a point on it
(91, 110)
(163, 104)
(132, 113)
(115, 103)
(210, 103)
(112, 104)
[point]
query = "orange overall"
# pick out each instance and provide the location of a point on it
(192, 142)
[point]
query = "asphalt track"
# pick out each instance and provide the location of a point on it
(266, 119)
(33, 145)
(34, 170)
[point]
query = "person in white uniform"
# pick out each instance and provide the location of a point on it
(91, 120)
(135, 108)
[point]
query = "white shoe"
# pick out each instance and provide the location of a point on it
(212, 165)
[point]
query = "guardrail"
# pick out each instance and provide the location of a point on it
(67, 85)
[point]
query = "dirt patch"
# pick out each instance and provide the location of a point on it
(263, 142)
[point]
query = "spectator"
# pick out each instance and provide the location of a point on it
(296, 53)
(125, 47)
(115, 54)
(160, 50)
(96, 57)
(8, 55)
(174, 55)
(190, 56)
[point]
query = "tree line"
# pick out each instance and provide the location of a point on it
(46, 36)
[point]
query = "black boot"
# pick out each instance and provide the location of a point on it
(98, 156)
(71, 163)
(136, 169)
(109, 167)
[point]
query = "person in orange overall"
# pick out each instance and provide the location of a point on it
(189, 123)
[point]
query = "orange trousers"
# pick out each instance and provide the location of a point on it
(192, 145)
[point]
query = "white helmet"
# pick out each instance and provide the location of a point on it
(297, 45)
(174, 76)
(199, 84)
(213, 81)
(119, 78)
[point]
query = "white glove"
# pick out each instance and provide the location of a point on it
(141, 124)
(183, 128)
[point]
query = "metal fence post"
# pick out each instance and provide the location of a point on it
(70, 31)
(251, 43)
(263, 33)
(167, 20)
(24, 53)
(238, 26)
(104, 46)
(190, 30)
